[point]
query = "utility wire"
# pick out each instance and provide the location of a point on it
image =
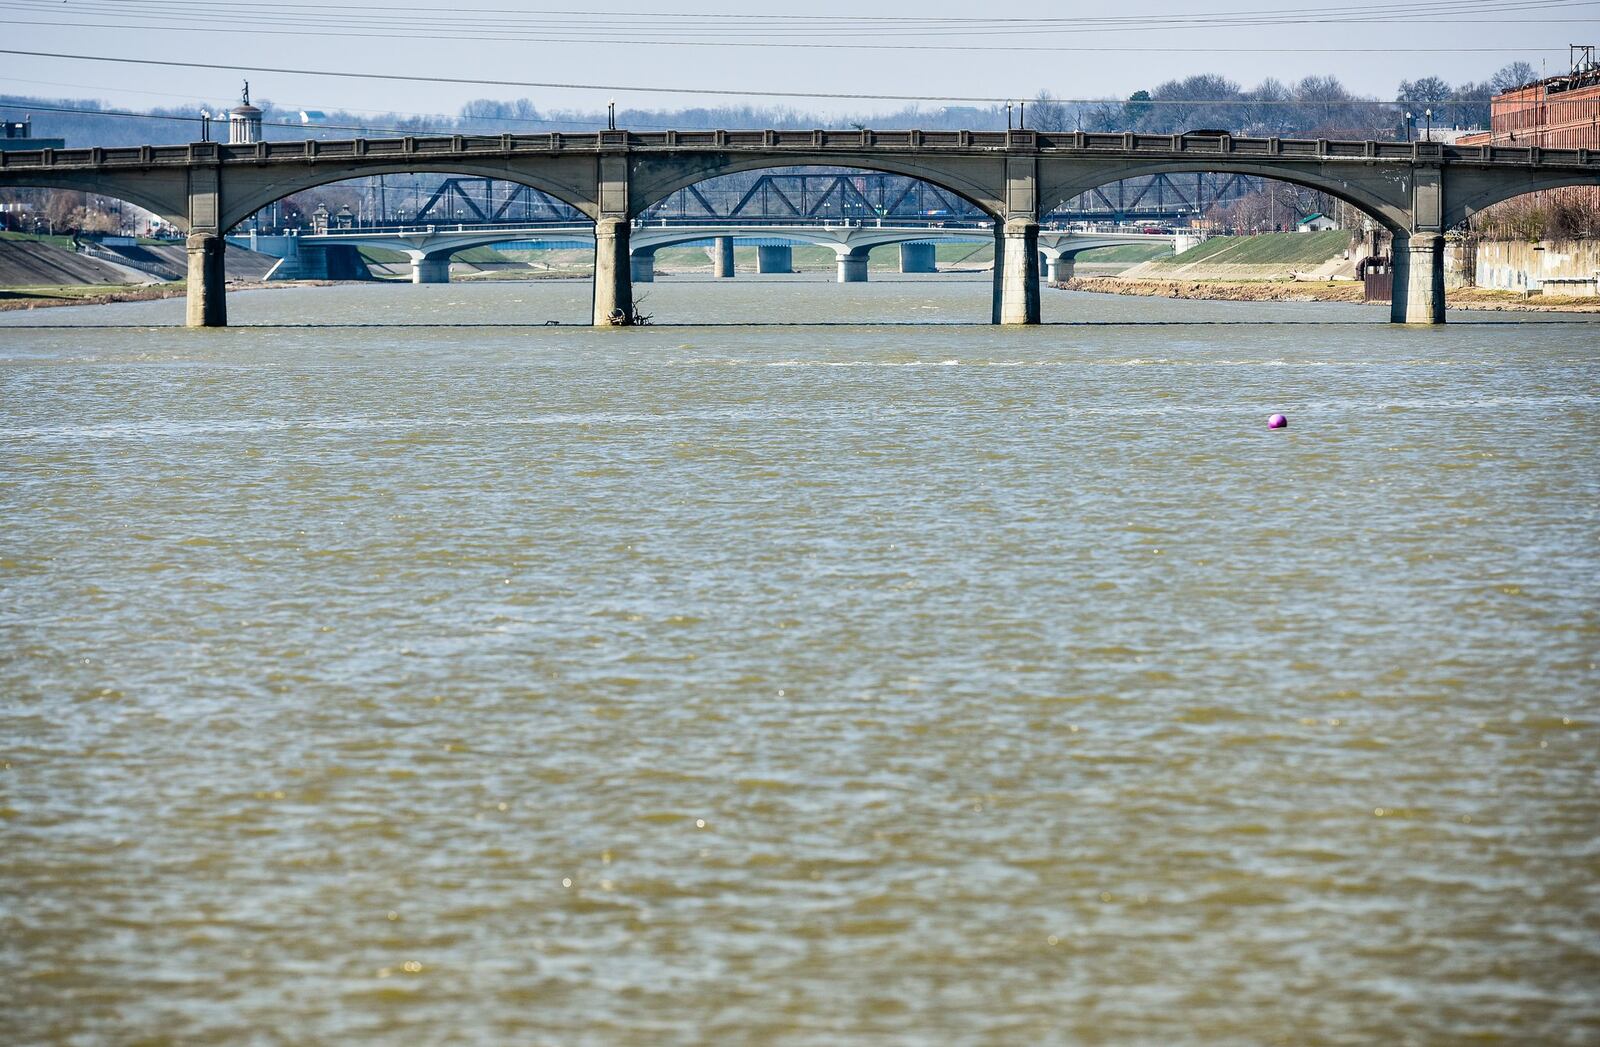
(956, 48)
(370, 128)
(721, 92)
(375, 129)
(391, 27)
(661, 39)
(502, 17)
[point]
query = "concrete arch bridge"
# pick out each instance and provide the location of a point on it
(431, 247)
(1417, 191)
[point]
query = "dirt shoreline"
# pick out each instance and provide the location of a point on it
(1342, 291)
(1472, 298)
(24, 300)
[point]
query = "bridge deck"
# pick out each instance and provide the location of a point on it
(842, 142)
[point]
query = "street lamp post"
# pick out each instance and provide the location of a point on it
(1008, 116)
(1410, 120)
(1429, 114)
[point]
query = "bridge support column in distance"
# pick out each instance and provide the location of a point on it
(722, 257)
(777, 258)
(613, 273)
(853, 266)
(1017, 272)
(1418, 267)
(1060, 268)
(430, 268)
(208, 281)
(642, 267)
(918, 258)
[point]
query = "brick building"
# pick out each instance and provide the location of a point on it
(1562, 112)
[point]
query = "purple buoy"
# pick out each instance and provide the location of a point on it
(1277, 421)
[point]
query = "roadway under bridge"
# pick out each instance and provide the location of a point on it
(1416, 190)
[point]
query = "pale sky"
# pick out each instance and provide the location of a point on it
(557, 41)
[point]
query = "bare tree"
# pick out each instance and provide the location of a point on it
(1047, 114)
(1517, 74)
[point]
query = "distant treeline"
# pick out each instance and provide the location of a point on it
(1314, 107)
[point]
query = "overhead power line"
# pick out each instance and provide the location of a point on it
(184, 119)
(947, 48)
(378, 128)
(747, 31)
(501, 18)
(640, 89)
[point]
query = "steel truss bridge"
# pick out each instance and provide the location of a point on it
(826, 197)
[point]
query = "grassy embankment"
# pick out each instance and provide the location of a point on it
(65, 242)
(1240, 268)
(1235, 268)
(86, 294)
(1267, 257)
(28, 295)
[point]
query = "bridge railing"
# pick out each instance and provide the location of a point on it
(1076, 142)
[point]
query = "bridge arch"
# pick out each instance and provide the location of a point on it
(1390, 208)
(978, 180)
(250, 191)
(1478, 191)
(163, 198)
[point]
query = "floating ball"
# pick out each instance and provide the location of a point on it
(1277, 421)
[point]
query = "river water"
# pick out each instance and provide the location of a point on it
(398, 669)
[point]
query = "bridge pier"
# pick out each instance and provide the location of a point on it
(778, 258)
(642, 266)
(207, 289)
(1016, 271)
(1418, 267)
(852, 265)
(918, 258)
(613, 273)
(722, 257)
(430, 268)
(1060, 268)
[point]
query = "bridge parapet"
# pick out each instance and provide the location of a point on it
(414, 147)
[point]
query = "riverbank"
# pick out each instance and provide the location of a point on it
(1477, 298)
(15, 298)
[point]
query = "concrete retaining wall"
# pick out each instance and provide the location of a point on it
(1521, 266)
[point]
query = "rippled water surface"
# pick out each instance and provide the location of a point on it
(796, 684)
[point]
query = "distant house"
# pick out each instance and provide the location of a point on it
(1315, 223)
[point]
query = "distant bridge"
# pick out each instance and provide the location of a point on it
(430, 247)
(1415, 190)
(824, 197)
